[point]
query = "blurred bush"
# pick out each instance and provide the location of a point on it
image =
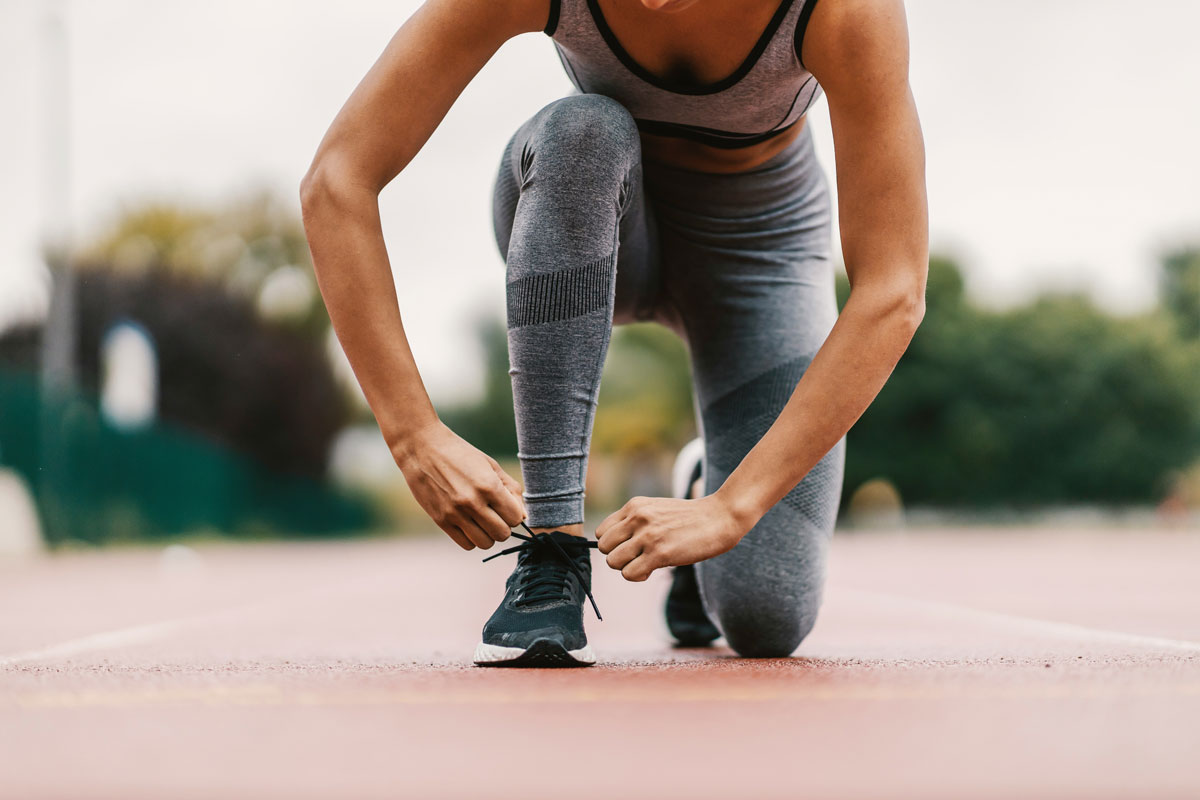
(254, 247)
(248, 406)
(1054, 402)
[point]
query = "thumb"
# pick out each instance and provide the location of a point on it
(512, 485)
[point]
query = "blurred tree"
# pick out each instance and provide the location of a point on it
(1179, 288)
(645, 393)
(1050, 403)
(255, 386)
(489, 423)
(253, 246)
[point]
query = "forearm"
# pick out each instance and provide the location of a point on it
(355, 278)
(846, 374)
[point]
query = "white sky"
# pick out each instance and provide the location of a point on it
(1061, 138)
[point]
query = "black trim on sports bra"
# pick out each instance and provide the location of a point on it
(725, 140)
(801, 27)
(552, 21)
(679, 88)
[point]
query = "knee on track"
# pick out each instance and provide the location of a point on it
(766, 627)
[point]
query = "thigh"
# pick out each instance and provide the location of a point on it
(638, 279)
(749, 284)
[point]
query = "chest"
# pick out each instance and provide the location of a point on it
(699, 44)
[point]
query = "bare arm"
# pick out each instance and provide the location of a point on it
(388, 118)
(858, 51)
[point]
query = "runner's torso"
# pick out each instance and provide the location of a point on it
(714, 86)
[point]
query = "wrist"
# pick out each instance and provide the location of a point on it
(405, 441)
(741, 508)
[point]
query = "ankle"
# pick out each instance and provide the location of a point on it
(574, 530)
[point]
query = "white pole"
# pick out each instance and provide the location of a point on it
(58, 347)
(58, 336)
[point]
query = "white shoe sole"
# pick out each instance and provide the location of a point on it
(543, 652)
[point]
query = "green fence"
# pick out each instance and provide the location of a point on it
(95, 483)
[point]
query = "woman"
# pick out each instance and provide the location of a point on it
(679, 185)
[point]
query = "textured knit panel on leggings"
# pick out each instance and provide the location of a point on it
(739, 264)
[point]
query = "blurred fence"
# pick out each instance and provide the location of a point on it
(100, 484)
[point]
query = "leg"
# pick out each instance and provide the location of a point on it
(749, 280)
(568, 201)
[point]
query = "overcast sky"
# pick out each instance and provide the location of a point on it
(1061, 138)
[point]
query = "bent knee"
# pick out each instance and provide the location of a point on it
(592, 122)
(766, 627)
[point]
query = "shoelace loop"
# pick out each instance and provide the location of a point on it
(547, 543)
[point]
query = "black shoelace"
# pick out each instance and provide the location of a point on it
(548, 583)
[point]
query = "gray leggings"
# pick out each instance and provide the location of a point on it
(737, 264)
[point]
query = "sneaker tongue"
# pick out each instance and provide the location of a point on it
(564, 537)
(568, 542)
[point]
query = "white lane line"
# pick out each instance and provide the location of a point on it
(139, 634)
(1065, 630)
(109, 640)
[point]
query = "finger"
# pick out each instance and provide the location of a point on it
(616, 534)
(510, 483)
(508, 506)
(491, 524)
(639, 569)
(473, 532)
(457, 536)
(624, 553)
(612, 519)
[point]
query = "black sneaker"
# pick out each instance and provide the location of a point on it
(540, 621)
(686, 618)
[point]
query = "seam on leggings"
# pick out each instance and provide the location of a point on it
(550, 456)
(548, 495)
(556, 296)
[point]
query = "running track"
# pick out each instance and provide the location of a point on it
(951, 664)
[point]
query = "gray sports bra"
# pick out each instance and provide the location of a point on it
(765, 96)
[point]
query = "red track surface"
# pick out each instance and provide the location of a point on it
(973, 664)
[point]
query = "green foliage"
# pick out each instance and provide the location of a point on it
(248, 405)
(645, 393)
(489, 424)
(1055, 402)
(1179, 289)
(258, 387)
(254, 247)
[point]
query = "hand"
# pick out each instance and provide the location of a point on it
(462, 489)
(652, 532)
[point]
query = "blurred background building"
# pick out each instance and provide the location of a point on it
(151, 153)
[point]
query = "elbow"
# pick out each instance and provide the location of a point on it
(897, 304)
(315, 189)
(326, 187)
(908, 307)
